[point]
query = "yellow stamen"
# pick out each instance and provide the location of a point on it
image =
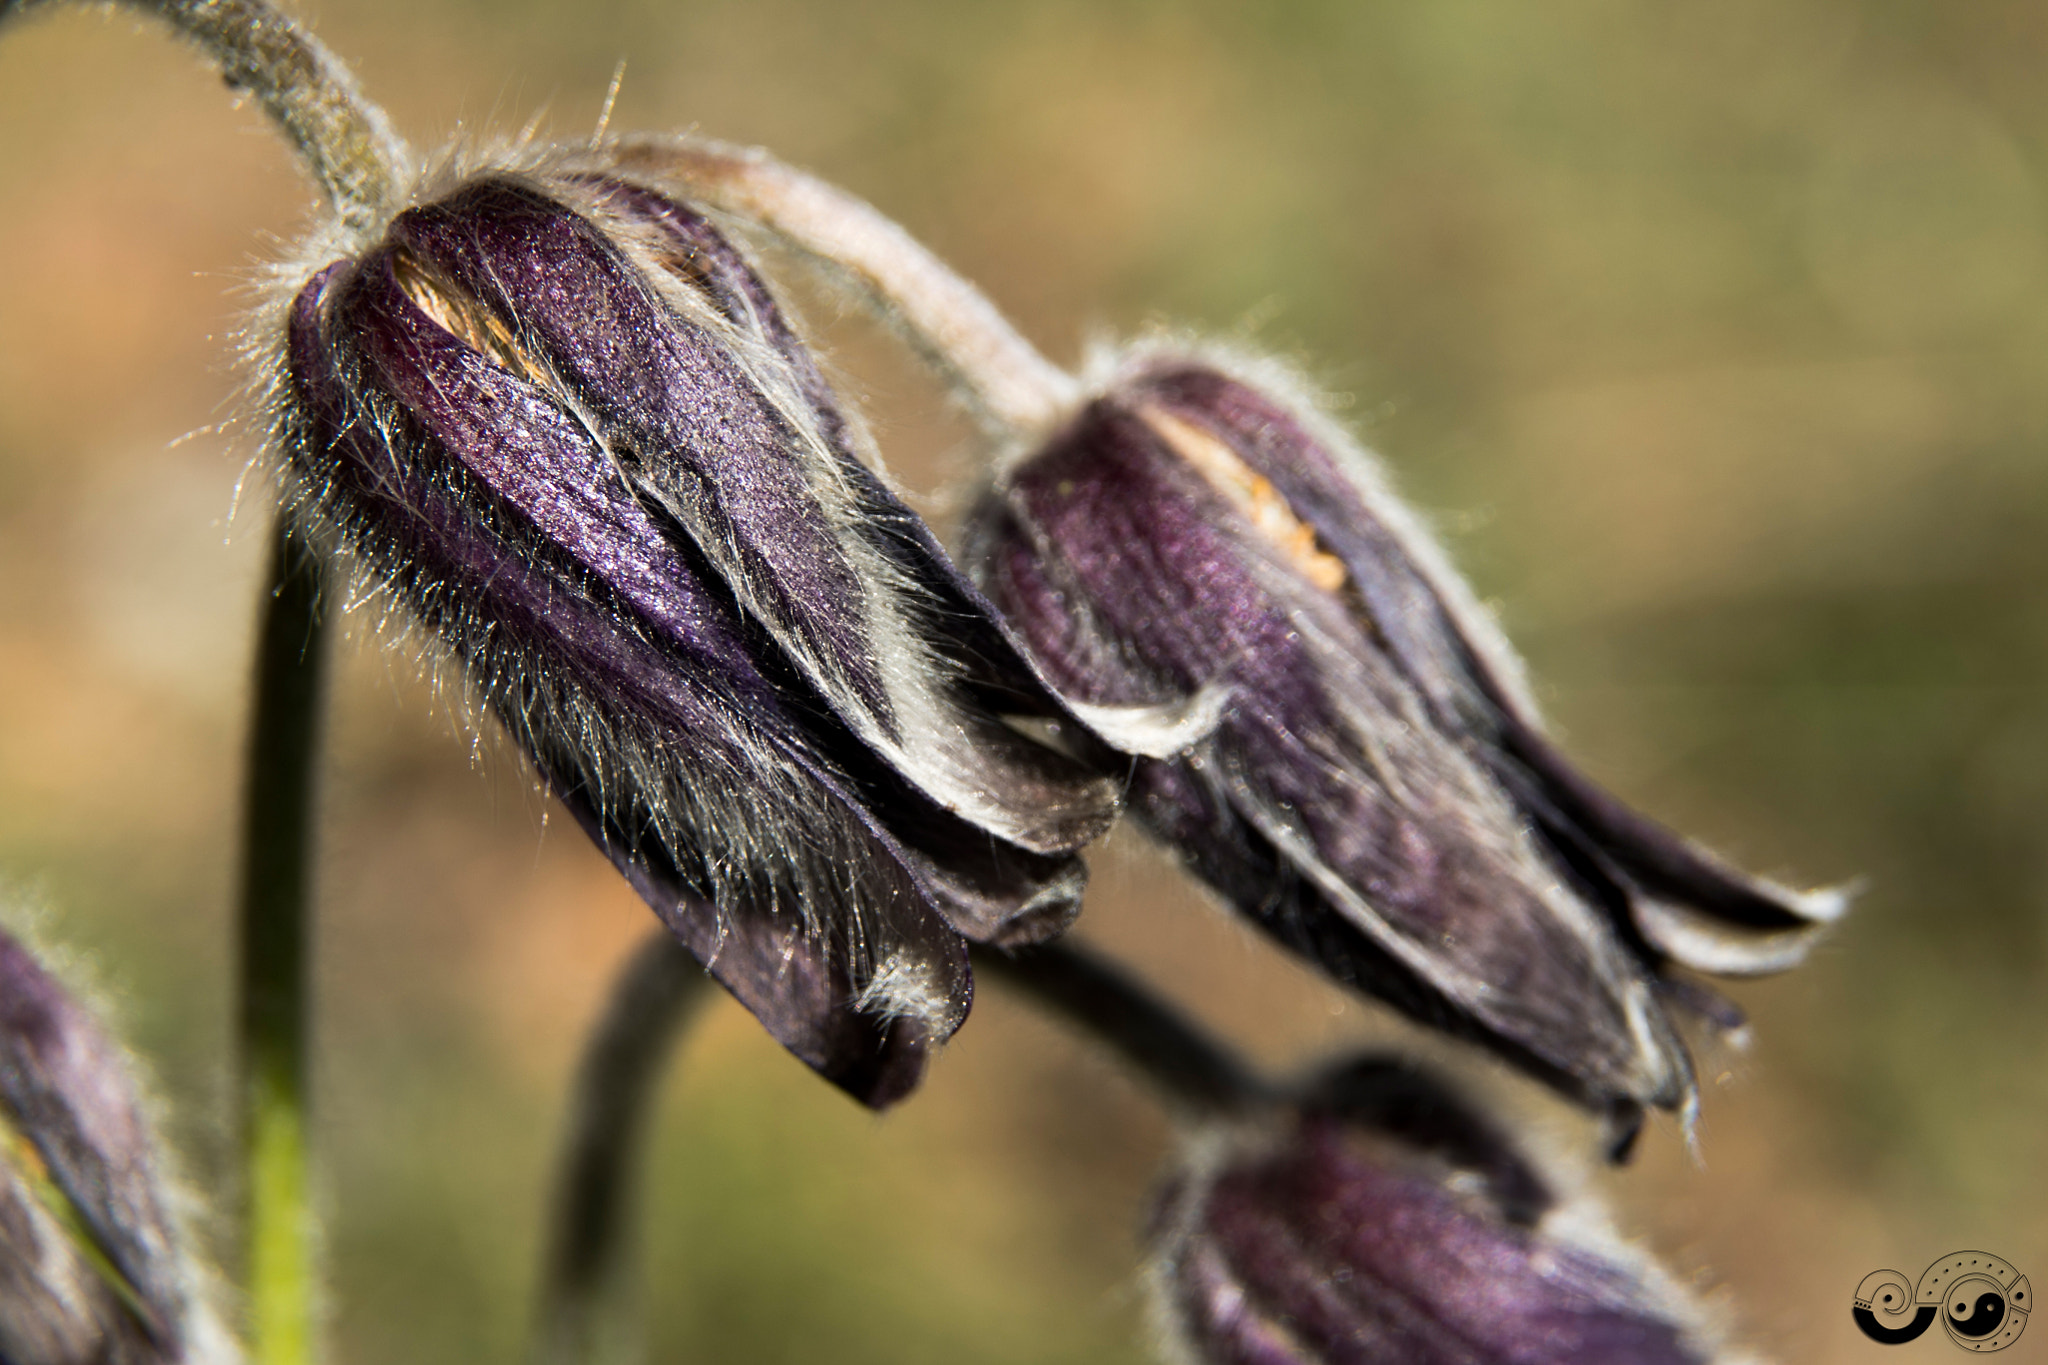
(469, 322)
(1252, 494)
(18, 1152)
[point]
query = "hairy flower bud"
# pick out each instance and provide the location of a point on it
(1378, 793)
(91, 1268)
(560, 418)
(1386, 1223)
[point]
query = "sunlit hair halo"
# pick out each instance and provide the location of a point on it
(557, 416)
(545, 403)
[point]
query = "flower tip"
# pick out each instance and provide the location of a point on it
(1714, 946)
(1827, 904)
(1161, 731)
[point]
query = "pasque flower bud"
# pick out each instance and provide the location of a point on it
(92, 1271)
(1384, 1222)
(1378, 793)
(559, 417)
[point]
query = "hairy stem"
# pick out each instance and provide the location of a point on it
(1196, 1072)
(280, 1274)
(585, 1289)
(1011, 388)
(346, 142)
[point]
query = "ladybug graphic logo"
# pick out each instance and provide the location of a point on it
(1980, 1300)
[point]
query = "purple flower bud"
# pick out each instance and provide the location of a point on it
(1397, 1228)
(1377, 793)
(91, 1269)
(559, 417)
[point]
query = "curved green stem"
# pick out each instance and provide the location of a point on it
(347, 143)
(351, 150)
(585, 1287)
(291, 652)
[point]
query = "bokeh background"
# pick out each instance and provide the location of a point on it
(1714, 338)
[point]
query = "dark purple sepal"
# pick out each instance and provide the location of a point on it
(973, 636)
(766, 493)
(994, 669)
(1452, 656)
(1324, 805)
(662, 393)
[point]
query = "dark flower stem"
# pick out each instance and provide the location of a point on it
(291, 655)
(1195, 1072)
(585, 1288)
(349, 147)
(347, 143)
(584, 1314)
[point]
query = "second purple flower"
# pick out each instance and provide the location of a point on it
(1378, 793)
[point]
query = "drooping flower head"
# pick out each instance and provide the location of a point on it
(93, 1270)
(558, 415)
(1378, 793)
(1384, 1221)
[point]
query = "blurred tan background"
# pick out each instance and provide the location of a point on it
(1714, 337)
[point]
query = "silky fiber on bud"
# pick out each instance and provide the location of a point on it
(92, 1271)
(557, 415)
(1377, 792)
(1383, 1221)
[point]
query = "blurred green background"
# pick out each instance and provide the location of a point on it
(1715, 338)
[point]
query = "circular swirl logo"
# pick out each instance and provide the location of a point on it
(1980, 1300)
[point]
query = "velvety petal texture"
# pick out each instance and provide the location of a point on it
(1377, 792)
(1399, 1230)
(559, 417)
(91, 1270)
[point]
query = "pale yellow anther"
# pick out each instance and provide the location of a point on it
(1252, 494)
(469, 322)
(19, 1152)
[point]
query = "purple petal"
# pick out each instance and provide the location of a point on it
(1336, 1247)
(1451, 656)
(1326, 804)
(662, 393)
(66, 1087)
(583, 594)
(772, 509)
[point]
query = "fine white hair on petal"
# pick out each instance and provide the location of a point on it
(903, 986)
